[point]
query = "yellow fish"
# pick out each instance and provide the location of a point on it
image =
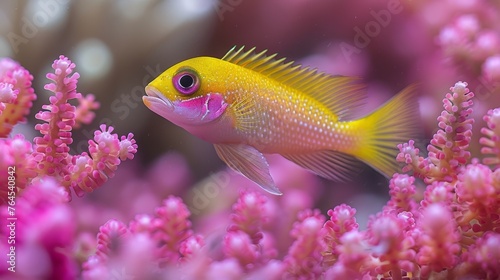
(249, 104)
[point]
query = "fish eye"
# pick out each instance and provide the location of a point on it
(186, 82)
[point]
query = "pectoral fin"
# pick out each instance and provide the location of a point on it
(249, 162)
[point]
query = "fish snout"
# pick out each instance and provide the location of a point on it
(155, 100)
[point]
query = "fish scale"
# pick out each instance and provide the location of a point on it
(276, 115)
(303, 126)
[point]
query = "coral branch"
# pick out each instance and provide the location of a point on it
(84, 113)
(16, 95)
(303, 260)
(448, 148)
(49, 155)
(171, 227)
(391, 245)
(341, 221)
(438, 240)
(491, 143)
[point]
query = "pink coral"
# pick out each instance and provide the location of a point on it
(106, 152)
(470, 40)
(491, 143)
(84, 113)
(164, 239)
(484, 256)
(480, 200)
(83, 172)
(244, 239)
(303, 260)
(391, 245)
(250, 215)
(438, 240)
(475, 184)
(16, 154)
(448, 148)
(49, 154)
(341, 221)
(354, 260)
(170, 227)
(438, 192)
(238, 245)
(44, 227)
(402, 191)
(16, 94)
(491, 68)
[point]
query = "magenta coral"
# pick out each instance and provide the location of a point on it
(402, 191)
(438, 240)
(448, 148)
(16, 94)
(354, 259)
(245, 239)
(170, 227)
(84, 113)
(250, 215)
(16, 152)
(484, 256)
(106, 152)
(341, 221)
(83, 172)
(391, 244)
(303, 260)
(479, 196)
(491, 143)
(49, 154)
(471, 41)
(44, 229)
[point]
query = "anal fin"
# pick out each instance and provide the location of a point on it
(249, 162)
(329, 164)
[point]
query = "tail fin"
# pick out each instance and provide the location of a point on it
(393, 123)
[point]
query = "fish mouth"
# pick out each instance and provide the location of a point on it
(155, 101)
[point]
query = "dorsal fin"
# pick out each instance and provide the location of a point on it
(342, 95)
